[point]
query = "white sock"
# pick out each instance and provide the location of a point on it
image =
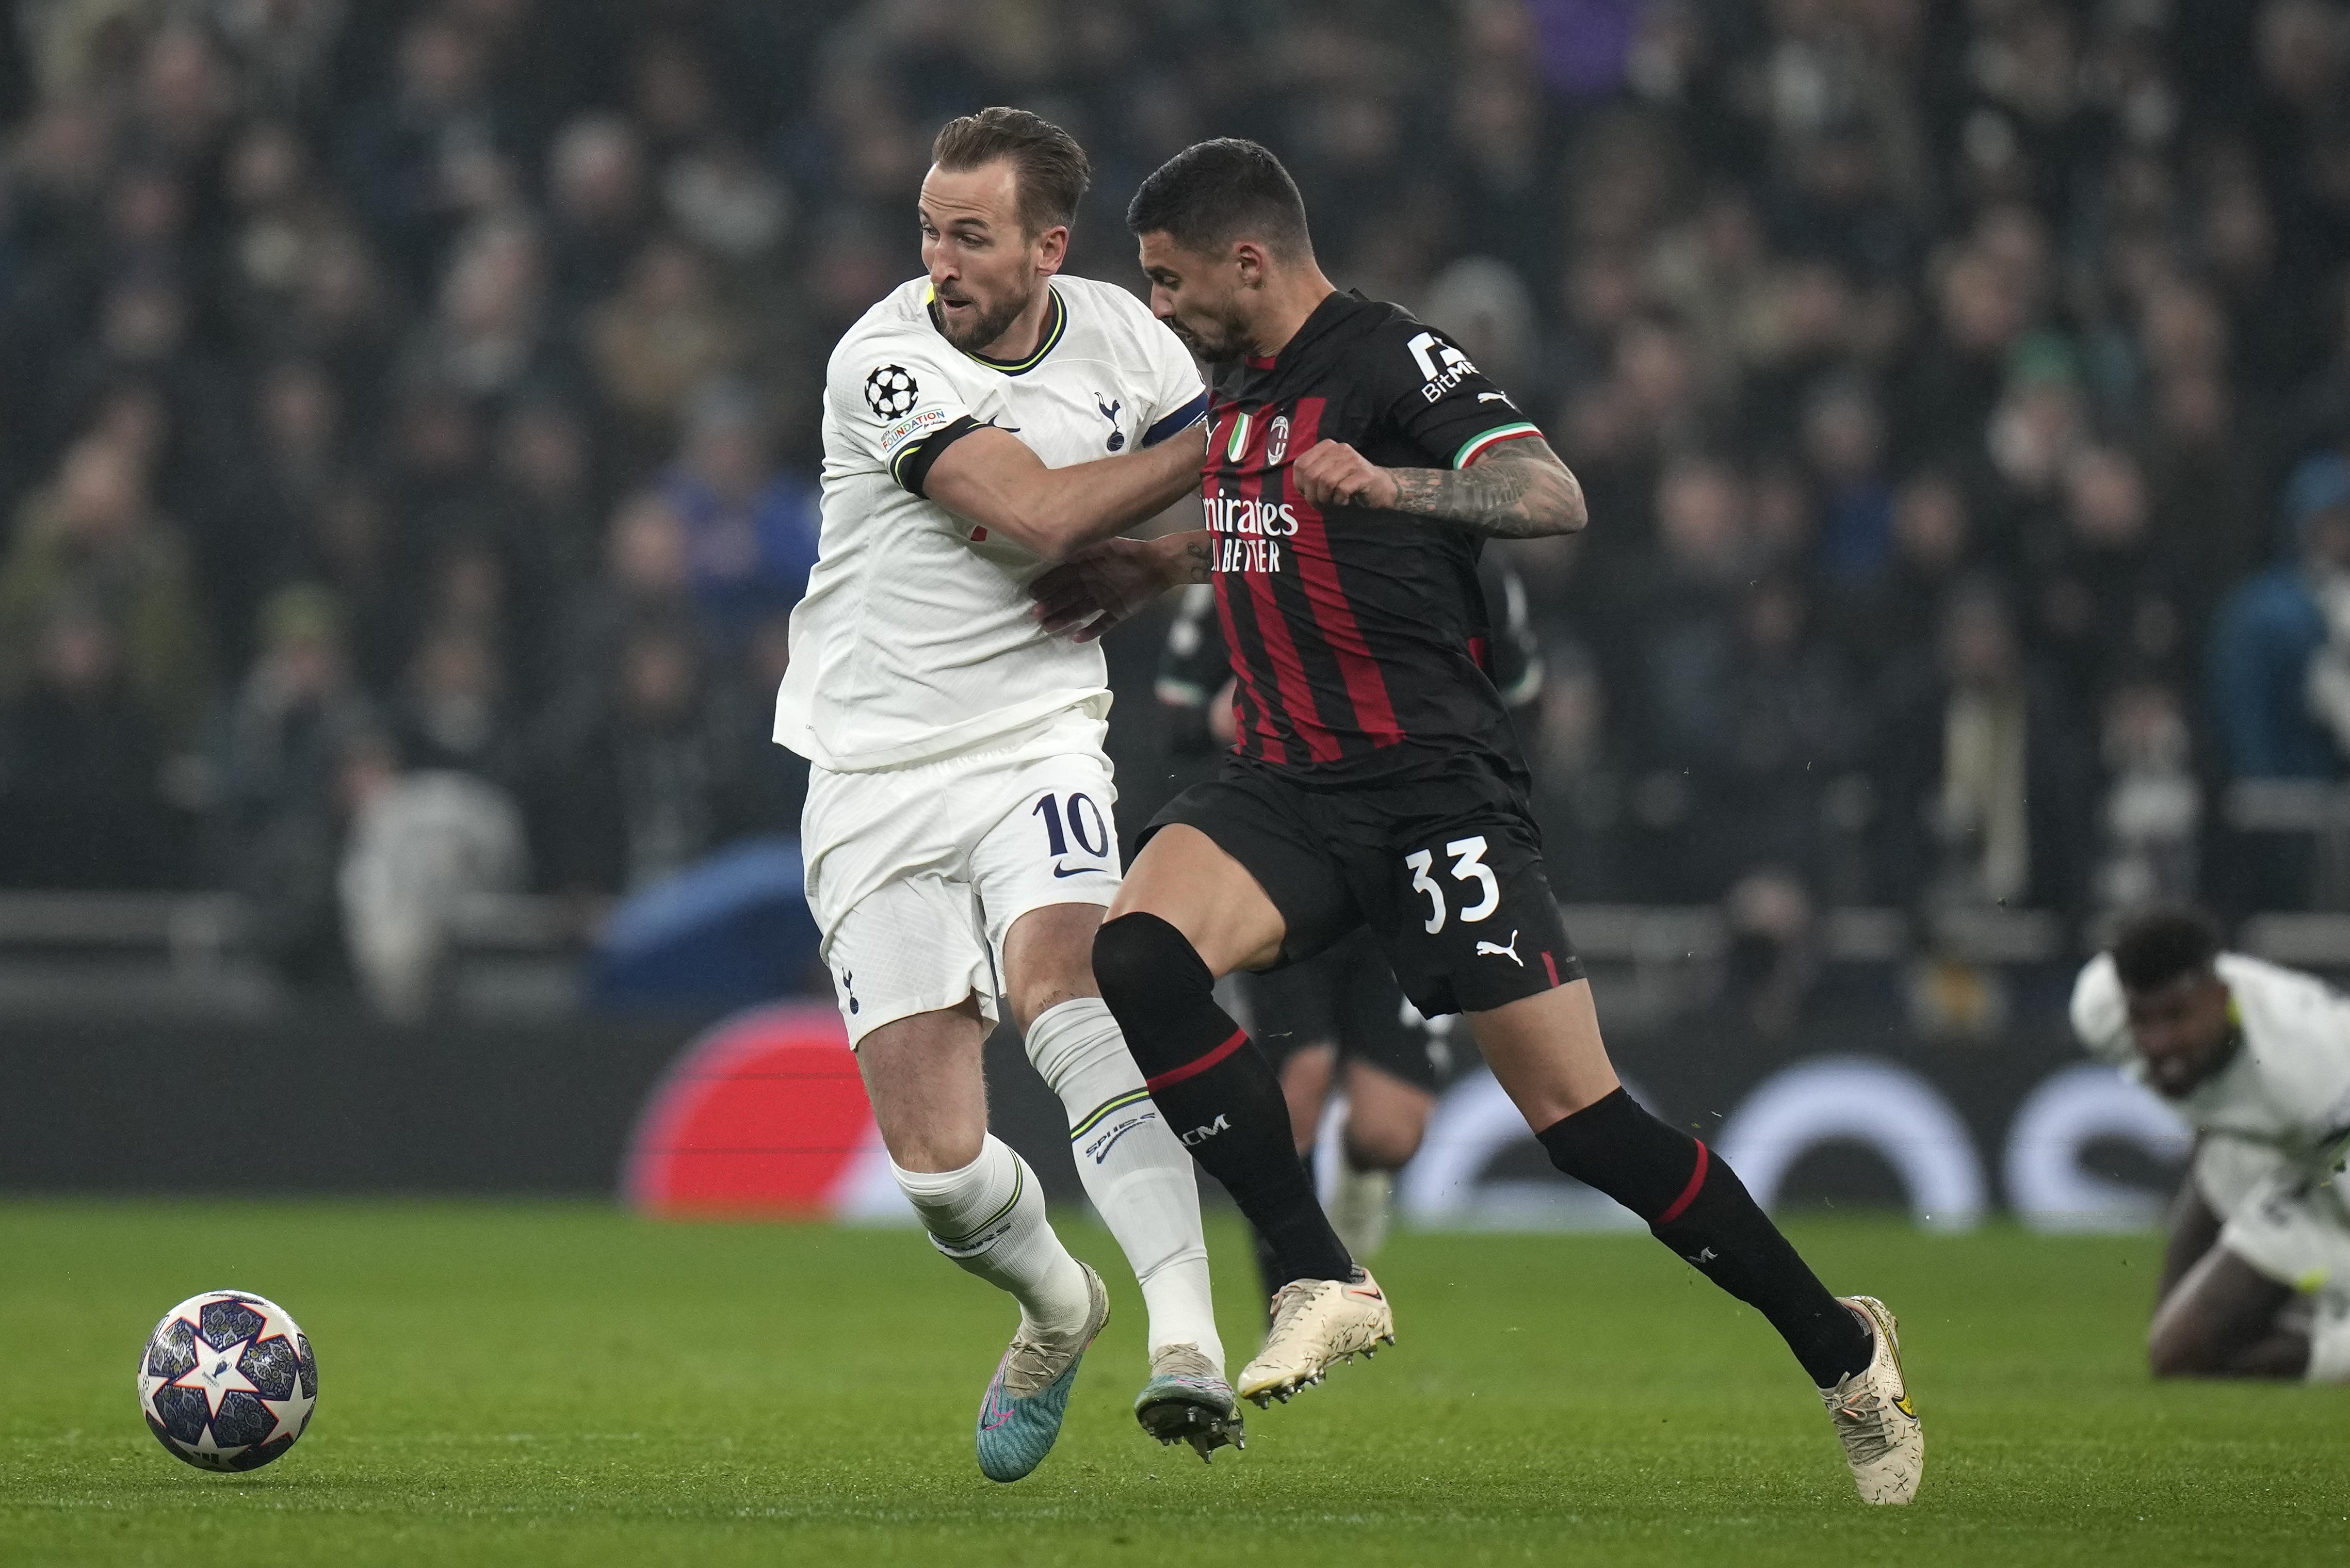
(989, 1216)
(2329, 1342)
(1139, 1177)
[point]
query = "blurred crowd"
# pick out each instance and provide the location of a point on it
(408, 412)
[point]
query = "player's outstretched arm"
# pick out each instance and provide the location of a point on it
(1515, 490)
(991, 478)
(1095, 589)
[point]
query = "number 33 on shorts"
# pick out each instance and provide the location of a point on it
(1469, 868)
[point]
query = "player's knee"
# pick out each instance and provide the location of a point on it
(1142, 963)
(1383, 1143)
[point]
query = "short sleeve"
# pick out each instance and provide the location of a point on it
(894, 398)
(1178, 398)
(1442, 401)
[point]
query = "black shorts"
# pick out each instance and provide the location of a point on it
(1346, 996)
(1446, 870)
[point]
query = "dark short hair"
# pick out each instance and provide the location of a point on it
(2154, 946)
(1052, 170)
(1213, 193)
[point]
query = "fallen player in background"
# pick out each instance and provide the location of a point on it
(2256, 1281)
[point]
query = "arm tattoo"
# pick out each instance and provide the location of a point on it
(1191, 565)
(1519, 490)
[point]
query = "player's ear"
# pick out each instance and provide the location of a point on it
(1248, 261)
(1052, 248)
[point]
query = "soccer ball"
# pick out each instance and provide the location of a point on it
(227, 1381)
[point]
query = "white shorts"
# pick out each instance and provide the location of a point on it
(915, 873)
(2296, 1234)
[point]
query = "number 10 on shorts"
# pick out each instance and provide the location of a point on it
(1087, 824)
(1468, 865)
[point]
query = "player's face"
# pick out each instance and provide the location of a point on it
(1197, 295)
(2183, 1030)
(986, 269)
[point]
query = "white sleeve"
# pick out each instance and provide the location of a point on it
(2100, 1016)
(1178, 398)
(893, 398)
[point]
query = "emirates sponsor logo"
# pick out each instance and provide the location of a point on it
(1247, 515)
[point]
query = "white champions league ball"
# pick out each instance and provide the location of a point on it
(227, 1381)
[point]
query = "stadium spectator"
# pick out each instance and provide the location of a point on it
(599, 205)
(646, 775)
(1987, 787)
(454, 715)
(82, 801)
(92, 539)
(548, 484)
(646, 578)
(2108, 603)
(750, 530)
(281, 751)
(423, 848)
(2269, 628)
(662, 333)
(2150, 817)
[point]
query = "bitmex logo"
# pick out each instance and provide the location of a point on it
(1443, 365)
(1201, 1135)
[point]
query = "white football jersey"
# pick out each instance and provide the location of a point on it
(2280, 1110)
(915, 639)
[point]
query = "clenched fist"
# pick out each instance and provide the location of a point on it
(1332, 473)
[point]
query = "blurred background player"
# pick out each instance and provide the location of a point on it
(958, 834)
(1347, 1041)
(2256, 1280)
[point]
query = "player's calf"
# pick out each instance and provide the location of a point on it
(1136, 1174)
(1218, 1093)
(1695, 1204)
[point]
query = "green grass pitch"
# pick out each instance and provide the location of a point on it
(506, 1383)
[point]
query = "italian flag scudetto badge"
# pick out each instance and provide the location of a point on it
(1238, 441)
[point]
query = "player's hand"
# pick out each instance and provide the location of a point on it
(1100, 587)
(1332, 473)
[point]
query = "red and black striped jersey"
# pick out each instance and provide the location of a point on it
(1356, 636)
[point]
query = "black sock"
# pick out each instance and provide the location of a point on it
(1268, 1265)
(1215, 1089)
(1695, 1204)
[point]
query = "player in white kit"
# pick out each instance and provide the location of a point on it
(979, 424)
(2256, 1282)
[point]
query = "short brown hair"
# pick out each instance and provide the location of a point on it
(1051, 168)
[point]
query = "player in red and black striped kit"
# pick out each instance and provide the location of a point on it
(1358, 461)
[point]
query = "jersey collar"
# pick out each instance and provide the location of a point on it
(1056, 321)
(1335, 304)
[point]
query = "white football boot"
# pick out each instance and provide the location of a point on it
(1316, 1325)
(1883, 1441)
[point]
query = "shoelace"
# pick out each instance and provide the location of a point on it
(1866, 1420)
(1289, 1304)
(1186, 1362)
(1031, 1363)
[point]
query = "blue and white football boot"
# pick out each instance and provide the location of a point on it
(1187, 1400)
(1021, 1414)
